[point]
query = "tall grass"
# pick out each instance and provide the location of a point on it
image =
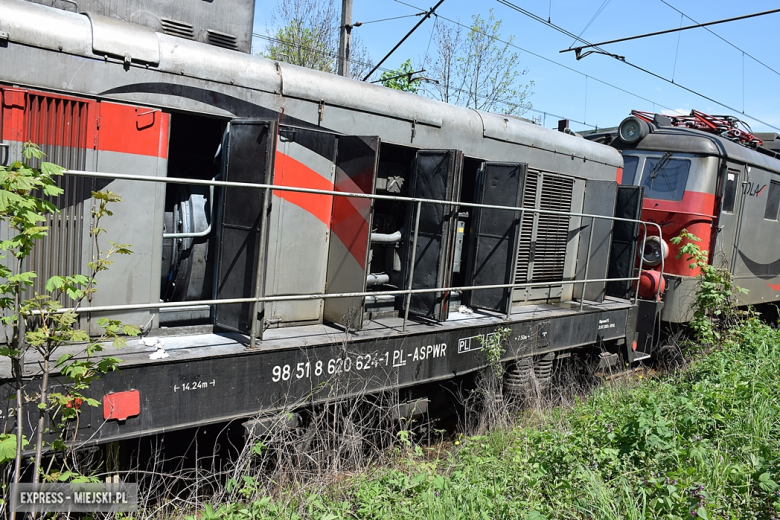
(702, 443)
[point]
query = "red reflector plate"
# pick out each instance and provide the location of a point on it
(121, 405)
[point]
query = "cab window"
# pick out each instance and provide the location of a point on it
(730, 193)
(772, 201)
(664, 178)
(630, 163)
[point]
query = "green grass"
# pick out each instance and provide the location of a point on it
(702, 444)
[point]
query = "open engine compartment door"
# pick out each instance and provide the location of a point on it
(624, 240)
(350, 229)
(496, 233)
(437, 175)
(593, 260)
(248, 155)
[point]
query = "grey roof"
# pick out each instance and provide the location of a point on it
(688, 140)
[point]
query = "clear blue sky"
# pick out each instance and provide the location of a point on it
(696, 59)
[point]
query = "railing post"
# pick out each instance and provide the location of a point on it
(411, 267)
(641, 262)
(514, 268)
(587, 261)
(261, 263)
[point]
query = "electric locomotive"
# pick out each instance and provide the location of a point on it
(711, 176)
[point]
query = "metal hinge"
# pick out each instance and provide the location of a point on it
(3, 37)
(4, 156)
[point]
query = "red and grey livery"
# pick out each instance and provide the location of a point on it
(722, 183)
(105, 97)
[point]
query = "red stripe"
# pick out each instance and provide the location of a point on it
(350, 224)
(692, 202)
(136, 130)
(775, 287)
(619, 176)
(289, 172)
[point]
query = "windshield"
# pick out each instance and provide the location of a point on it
(664, 178)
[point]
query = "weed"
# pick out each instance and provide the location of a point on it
(701, 443)
(715, 307)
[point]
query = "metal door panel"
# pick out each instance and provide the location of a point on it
(497, 233)
(249, 158)
(437, 175)
(624, 240)
(600, 197)
(730, 222)
(299, 224)
(350, 233)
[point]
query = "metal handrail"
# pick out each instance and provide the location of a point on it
(407, 292)
(274, 187)
(318, 296)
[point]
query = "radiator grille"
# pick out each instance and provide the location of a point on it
(221, 39)
(177, 28)
(60, 128)
(552, 230)
(525, 244)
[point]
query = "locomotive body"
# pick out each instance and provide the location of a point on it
(725, 189)
(290, 226)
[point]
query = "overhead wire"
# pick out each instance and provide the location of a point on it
(427, 15)
(549, 60)
(593, 19)
(635, 66)
(392, 18)
(655, 33)
(677, 51)
(722, 38)
(504, 102)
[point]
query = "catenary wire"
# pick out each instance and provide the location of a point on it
(384, 69)
(593, 19)
(724, 39)
(392, 18)
(501, 101)
(639, 68)
(655, 33)
(603, 82)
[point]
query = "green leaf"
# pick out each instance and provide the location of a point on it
(8, 446)
(55, 282)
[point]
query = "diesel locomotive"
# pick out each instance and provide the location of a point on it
(290, 227)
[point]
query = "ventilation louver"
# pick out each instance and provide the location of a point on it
(552, 232)
(526, 228)
(543, 237)
(221, 39)
(60, 126)
(177, 28)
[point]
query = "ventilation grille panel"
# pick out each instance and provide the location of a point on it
(60, 127)
(552, 230)
(177, 28)
(526, 228)
(221, 39)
